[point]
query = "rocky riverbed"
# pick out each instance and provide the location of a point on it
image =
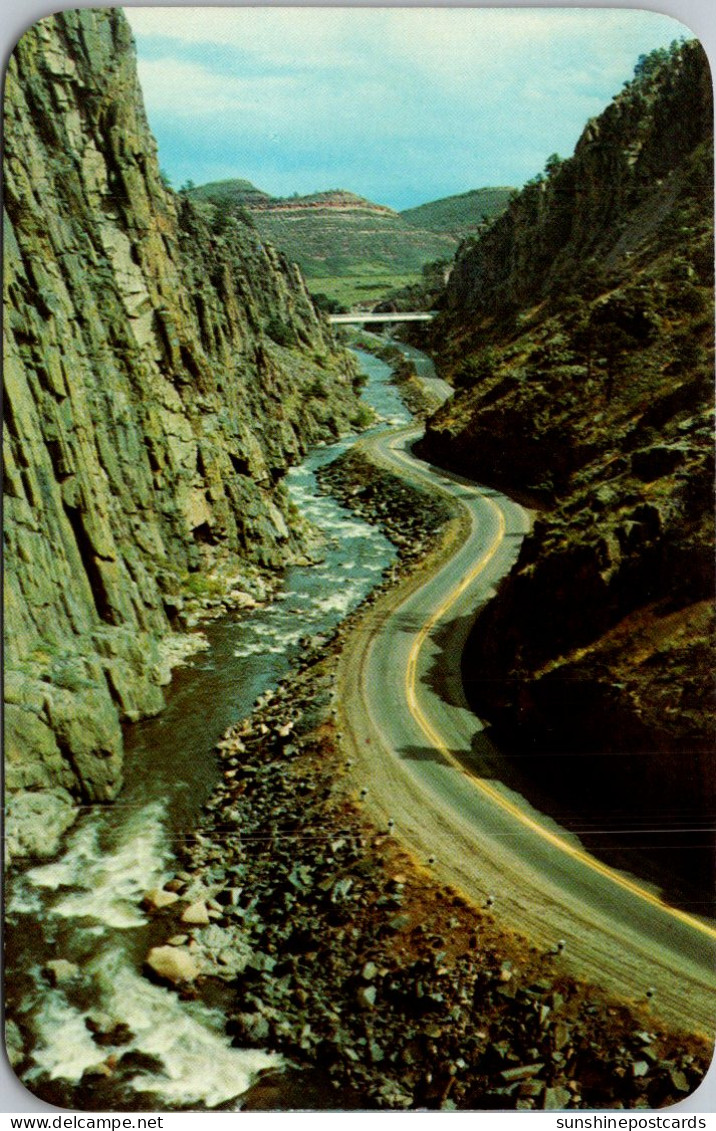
(320, 938)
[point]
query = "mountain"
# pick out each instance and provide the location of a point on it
(161, 375)
(461, 215)
(348, 247)
(236, 192)
(579, 333)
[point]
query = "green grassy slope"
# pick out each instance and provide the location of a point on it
(350, 241)
(459, 215)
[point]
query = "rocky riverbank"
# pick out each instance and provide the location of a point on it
(410, 518)
(321, 938)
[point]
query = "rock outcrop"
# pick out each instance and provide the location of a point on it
(579, 333)
(162, 370)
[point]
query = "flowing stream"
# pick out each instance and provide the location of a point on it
(85, 905)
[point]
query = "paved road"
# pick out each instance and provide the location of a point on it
(429, 767)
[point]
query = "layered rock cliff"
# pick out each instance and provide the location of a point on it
(578, 331)
(162, 372)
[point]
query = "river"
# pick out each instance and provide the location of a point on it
(84, 906)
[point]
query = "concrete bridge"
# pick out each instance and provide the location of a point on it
(362, 316)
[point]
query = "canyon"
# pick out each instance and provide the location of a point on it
(166, 374)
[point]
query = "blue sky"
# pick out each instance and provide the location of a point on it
(401, 105)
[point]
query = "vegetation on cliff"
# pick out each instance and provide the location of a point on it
(578, 332)
(161, 374)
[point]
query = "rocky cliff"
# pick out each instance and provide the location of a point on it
(162, 371)
(578, 331)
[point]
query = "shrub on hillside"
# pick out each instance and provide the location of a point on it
(475, 368)
(281, 333)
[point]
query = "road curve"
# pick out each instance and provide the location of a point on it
(429, 767)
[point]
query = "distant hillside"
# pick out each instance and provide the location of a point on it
(335, 233)
(459, 215)
(235, 192)
(349, 248)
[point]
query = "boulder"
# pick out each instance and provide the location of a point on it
(556, 1098)
(172, 964)
(158, 898)
(196, 914)
(365, 996)
(252, 1029)
(58, 971)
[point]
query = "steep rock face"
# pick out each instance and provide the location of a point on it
(579, 332)
(161, 374)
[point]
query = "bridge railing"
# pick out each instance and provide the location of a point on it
(360, 317)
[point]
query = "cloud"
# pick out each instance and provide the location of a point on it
(278, 35)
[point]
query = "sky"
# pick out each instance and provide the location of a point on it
(400, 105)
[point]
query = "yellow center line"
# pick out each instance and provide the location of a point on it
(484, 787)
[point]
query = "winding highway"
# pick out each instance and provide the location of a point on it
(429, 769)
